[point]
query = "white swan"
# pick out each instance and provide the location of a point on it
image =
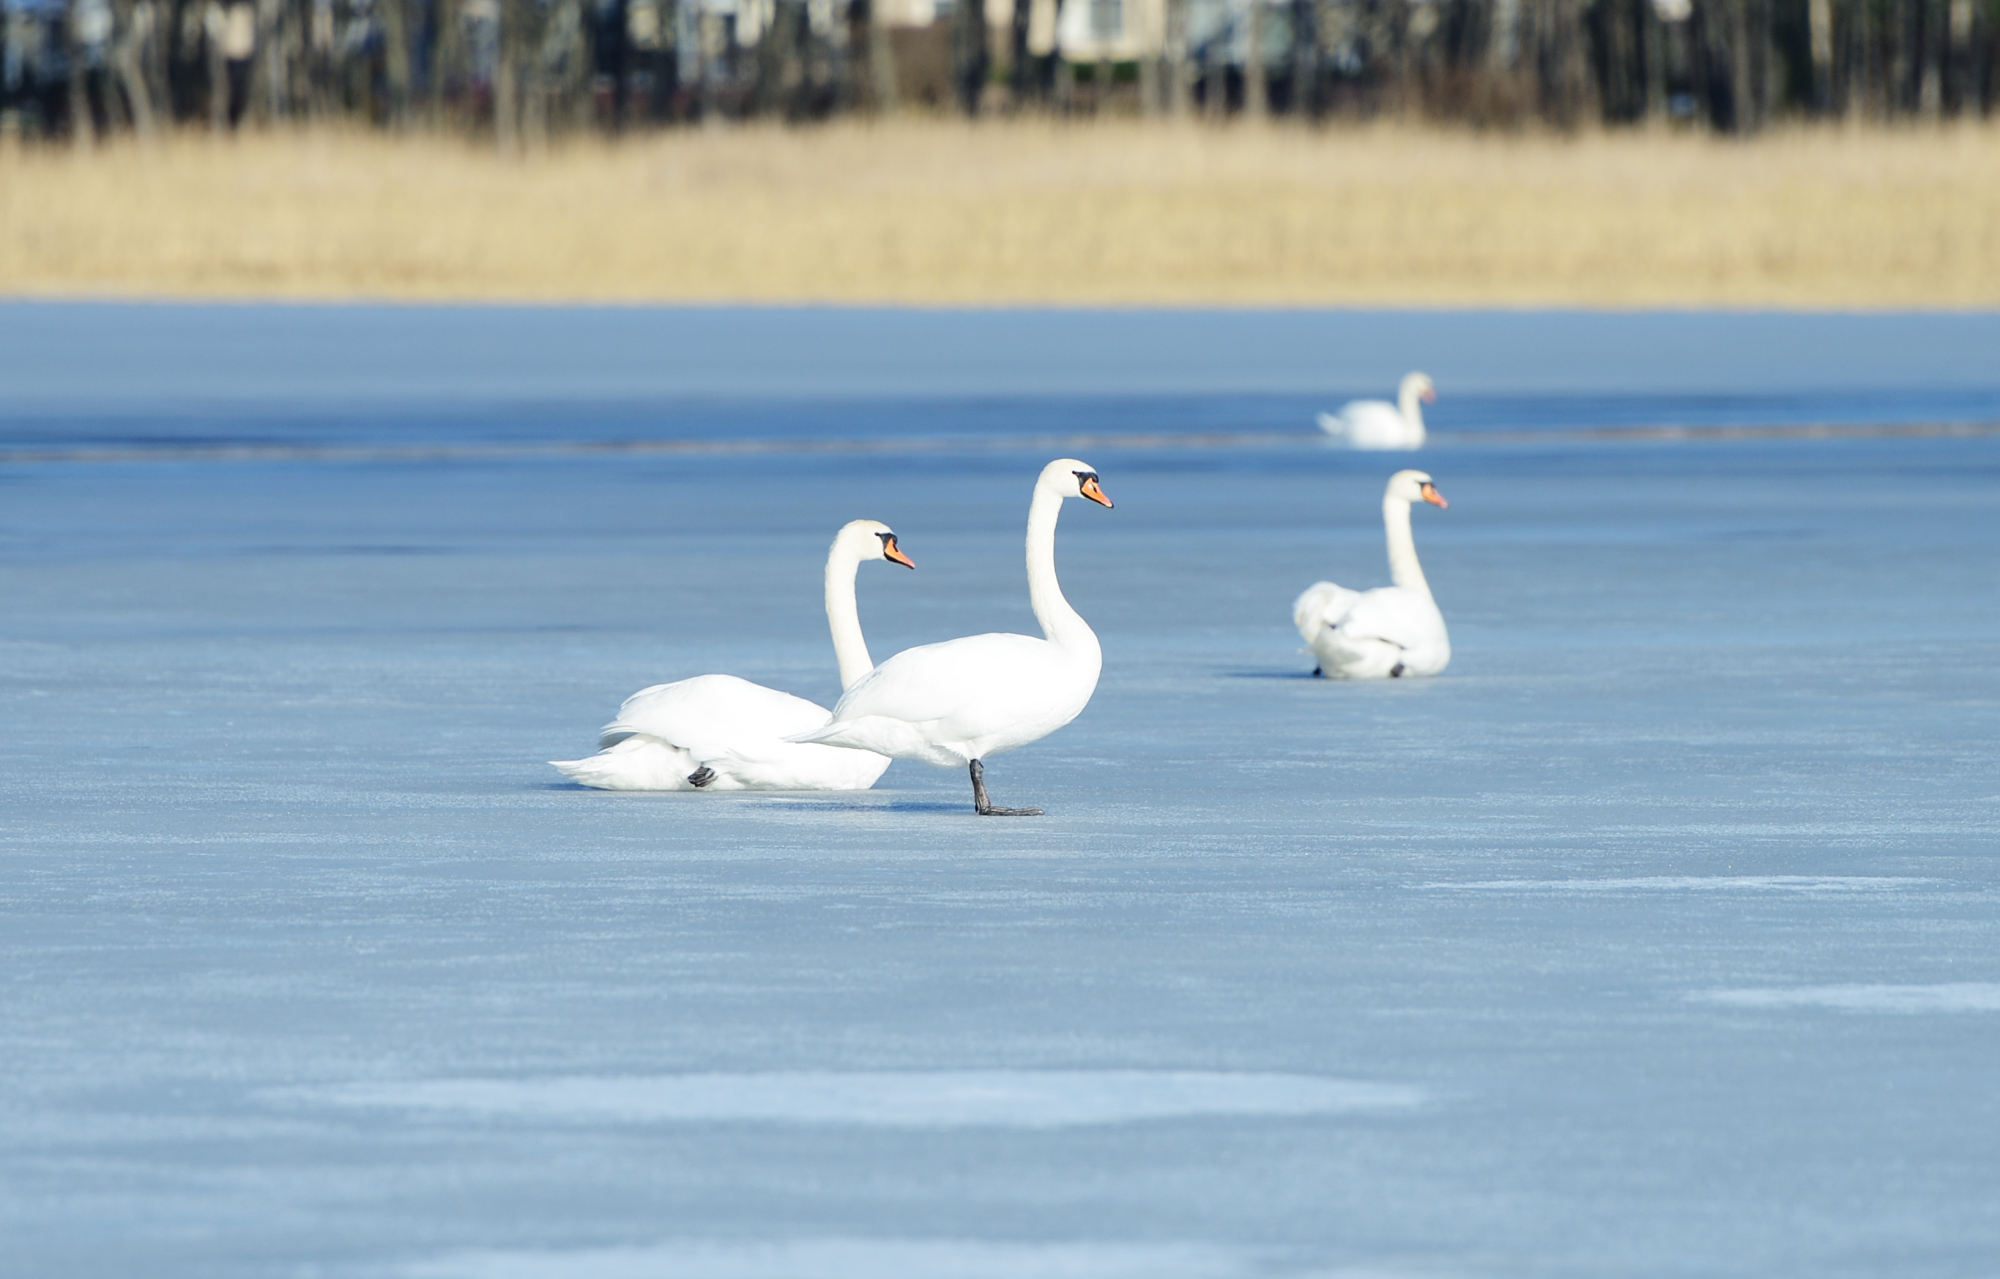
(1378, 424)
(718, 732)
(1390, 631)
(955, 703)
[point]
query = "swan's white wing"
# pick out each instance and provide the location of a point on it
(939, 681)
(1407, 619)
(1321, 605)
(1375, 424)
(944, 703)
(714, 715)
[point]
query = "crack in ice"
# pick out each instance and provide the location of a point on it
(1946, 997)
(892, 1099)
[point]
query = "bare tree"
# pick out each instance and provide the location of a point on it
(1256, 84)
(78, 44)
(134, 31)
(969, 56)
(396, 61)
(1305, 57)
(506, 93)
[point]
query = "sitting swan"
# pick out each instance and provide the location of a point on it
(1377, 424)
(723, 733)
(953, 704)
(1392, 630)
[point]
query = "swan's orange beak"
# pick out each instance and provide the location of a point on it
(1429, 396)
(1432, 496)
(891, 551)
(1091, 489)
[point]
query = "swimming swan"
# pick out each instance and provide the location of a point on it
(1390, 631)
(957, 702)
(718, 732)
(1377, 424)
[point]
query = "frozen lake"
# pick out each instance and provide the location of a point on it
(1660, 935)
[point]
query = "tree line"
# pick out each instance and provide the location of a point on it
(520, 70)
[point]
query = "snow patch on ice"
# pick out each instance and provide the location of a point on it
(889, 1099)
(850, 1259)
(1947, 997)
(1693, 883)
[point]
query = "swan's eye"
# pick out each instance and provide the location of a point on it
(1083, 478)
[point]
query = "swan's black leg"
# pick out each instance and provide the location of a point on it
(1396, 671)
(984, 806)
(701, 777)
(1318, 673)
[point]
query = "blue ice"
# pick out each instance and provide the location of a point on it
(1658, 936)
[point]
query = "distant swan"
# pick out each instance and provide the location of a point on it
(1390, 631)
(1377, 424)
(718, 732)
(955, 703)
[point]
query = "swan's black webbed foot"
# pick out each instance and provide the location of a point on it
(1396, 671)
(1318, 673)
(984, 806)
(701, 777)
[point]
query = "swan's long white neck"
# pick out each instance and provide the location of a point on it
(843, 616)
(1410, 400)
(1063, 626)
(1404, 570)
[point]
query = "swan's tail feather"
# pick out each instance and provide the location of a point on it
(827, 734)
(1320, 605)
(636, 762)
(882, 735)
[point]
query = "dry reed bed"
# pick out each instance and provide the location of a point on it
(937, 212)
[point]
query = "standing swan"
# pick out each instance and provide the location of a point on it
(723, 733)
(1390, 631)
(957, 702)
(1377, 424)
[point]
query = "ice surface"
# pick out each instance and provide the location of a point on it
(83, 375)
(1673, 900)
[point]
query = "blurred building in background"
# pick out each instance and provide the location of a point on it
(520, 69)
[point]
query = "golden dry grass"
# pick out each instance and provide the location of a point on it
(939, 212)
